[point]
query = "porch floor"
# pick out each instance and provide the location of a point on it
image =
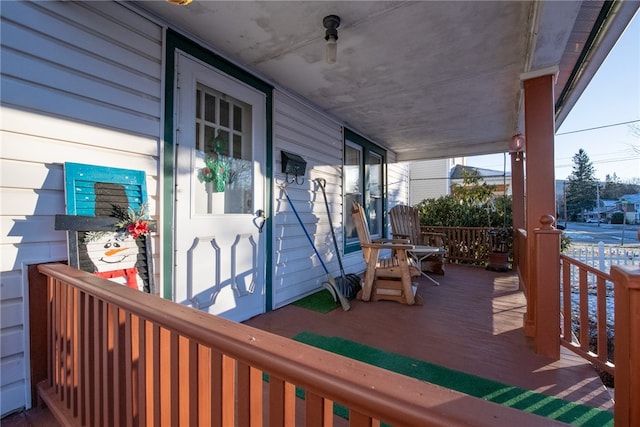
(472, 322)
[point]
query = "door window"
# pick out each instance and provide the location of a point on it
(223, 154)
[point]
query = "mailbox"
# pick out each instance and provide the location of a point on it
(292, 164)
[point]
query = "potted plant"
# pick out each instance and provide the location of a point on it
(499, 239)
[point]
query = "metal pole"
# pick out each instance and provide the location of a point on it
(624, 219)
(564, 194)
(598, 201)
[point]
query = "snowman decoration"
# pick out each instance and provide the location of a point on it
(114, 255)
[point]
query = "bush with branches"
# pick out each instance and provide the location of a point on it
(470, 204)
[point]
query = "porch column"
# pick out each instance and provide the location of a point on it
(627, 344)
(547, 276)
(517, 190)
(517, 212)
(539, 118)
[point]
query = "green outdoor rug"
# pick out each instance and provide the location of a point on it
(493, 391)
(321, 301)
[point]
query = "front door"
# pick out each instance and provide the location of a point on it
(221, 148)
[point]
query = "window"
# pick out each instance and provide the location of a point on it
(363, 180)
(223, 136)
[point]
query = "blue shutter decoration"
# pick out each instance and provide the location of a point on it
(95, 195)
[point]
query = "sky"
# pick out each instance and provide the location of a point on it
(601, 122)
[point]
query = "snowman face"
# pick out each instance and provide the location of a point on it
(112, 251)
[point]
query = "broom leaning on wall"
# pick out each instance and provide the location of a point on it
(330, 284)
(349, 284)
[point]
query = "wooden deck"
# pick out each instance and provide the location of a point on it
(472, 322)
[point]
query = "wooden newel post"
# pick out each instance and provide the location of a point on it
(38, 324)
(546, 271)
(627, 345)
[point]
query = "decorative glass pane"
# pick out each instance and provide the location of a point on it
(237, 118)
(209, 140)
(223, 142)
(210, 108)
(237, 146)
(224, 113)
(198, 95)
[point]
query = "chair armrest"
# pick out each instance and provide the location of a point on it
(435, 250)
(400, 236)
(391, 246)
(399, 241)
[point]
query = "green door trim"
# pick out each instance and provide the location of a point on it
(174, 42)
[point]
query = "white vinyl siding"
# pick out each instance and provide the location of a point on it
(300, 130)
(81, 82)
(429, 179)
(397, 186)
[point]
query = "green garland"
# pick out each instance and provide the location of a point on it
(216, 171)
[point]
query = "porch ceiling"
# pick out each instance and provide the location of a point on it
(425, 79)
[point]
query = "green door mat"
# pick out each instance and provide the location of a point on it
(320, 301)
(493, 391)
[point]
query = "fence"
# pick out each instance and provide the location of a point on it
(587, 307)
(471, 245)
(603, 256)
(588, 298)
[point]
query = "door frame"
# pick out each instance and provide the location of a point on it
(174, 42)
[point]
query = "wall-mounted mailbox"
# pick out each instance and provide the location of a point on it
(292, 164)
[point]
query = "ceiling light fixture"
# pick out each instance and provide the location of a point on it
(179, 2)
(331, 23)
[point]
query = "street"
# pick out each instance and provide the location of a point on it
(608, 233)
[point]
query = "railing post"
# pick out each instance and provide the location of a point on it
(38, 320)
(627, 345)
(601, 254)
(546, 280)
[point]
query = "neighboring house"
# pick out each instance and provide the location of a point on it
(94, 83)
(603, 211)
(429, 179)
(607, 207)
(500, 179)
(630, 205)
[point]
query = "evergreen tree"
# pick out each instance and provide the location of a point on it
(581, 185)
(612, 188)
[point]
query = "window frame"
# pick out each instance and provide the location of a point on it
(368, 150)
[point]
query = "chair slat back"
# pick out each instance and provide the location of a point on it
(360, 222)
(405, 223)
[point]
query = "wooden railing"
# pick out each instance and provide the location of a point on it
(587, 306)
(627, 344)
(467, 245)
(520, 263)
(117, 356)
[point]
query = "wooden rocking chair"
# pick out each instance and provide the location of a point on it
(385, 278)
(430, 251)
